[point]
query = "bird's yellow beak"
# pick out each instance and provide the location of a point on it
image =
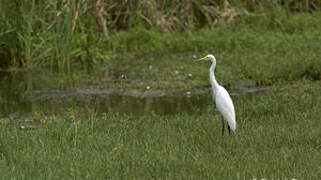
(202, 59)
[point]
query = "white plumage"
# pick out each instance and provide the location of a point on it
(222, 98)
(225, 106)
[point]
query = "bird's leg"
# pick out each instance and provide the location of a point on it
(229, 129)
(222, 126)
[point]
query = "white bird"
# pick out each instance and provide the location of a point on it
(222, 98)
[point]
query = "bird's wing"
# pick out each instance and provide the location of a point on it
(225, 105)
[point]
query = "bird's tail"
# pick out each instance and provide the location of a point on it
(232, 125)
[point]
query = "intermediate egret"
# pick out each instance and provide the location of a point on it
(222, 98)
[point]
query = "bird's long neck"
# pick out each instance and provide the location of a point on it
(212, 78)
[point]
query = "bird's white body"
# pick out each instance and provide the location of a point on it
(221, 97)
(225, 106)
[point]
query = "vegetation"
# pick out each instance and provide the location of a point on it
(267, 50)
(152, 45)
(64, 33)
(278, 137)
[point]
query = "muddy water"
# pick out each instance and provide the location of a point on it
(23, 93)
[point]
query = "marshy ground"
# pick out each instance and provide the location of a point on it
(138, 106)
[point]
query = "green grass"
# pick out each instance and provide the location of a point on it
(278, 136)
(278, 133)
(249, 48)
(270, 46)
(253, 47)
(63, 35)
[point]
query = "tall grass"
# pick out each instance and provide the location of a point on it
(60, 33)
(36, 33)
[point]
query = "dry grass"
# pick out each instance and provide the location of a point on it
(32, 33)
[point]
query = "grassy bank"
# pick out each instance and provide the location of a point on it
(269, 46)
(265, 50)
(65, 34)
(151, 45)
(278, 137)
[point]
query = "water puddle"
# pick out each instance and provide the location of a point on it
(23, 93)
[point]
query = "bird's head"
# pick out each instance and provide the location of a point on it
(209, 57)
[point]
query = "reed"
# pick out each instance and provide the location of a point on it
(36, 33)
